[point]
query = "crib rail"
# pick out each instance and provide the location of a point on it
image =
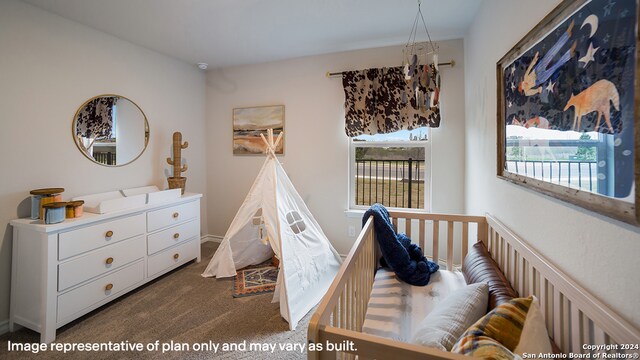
(447, 232)
(574, 317)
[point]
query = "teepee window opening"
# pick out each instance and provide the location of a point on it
(296, 222)
(393, 171)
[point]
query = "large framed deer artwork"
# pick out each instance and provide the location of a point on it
(568, 106)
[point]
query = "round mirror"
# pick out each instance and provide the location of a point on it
(110, 130)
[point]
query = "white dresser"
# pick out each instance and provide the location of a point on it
(62, 271)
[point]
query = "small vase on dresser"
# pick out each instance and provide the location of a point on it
(63, 271)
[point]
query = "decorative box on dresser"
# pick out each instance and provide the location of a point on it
(62, 271)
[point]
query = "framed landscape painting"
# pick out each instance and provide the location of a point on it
(568, 108)
(250, 122)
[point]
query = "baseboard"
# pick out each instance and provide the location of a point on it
(212, 238)
(4, 326)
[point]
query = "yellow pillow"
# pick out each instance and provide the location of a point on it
(497, 334)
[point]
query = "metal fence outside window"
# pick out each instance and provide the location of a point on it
(393, 183)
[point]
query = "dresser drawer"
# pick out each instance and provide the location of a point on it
(173, 257)
(87, 295)
(172, 236)
(99, 262)
(92, 237)
(162, 218)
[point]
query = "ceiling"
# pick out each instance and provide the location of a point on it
(237, 32)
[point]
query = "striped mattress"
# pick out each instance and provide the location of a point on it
(396, 308)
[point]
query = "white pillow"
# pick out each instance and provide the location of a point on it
(452, 316)
(534, 338)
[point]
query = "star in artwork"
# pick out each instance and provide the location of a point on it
(509, 104)
(607, 8)
(513, 86)
(606, 38)
(588, 57)
(551, 86)
(624, 13)
(513, 69)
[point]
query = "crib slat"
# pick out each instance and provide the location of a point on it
(465, 240)
(566, 324)
(361, 297)
(499, 251)
(450, 245)
(349, 307)
(530, 279)
(493, 244)
(394, 221)
(407, 227)
(483, 230)
(557, 316)
(520, 274)
(543, 301)
(343, 306)
(599, 336)
(436, 241)
(497, 254)
(356, 295)
(336, 310)
(511, 256)
(576, 330)
(422, 241)
(586, 327)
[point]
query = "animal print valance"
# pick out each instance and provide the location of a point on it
(95, 119)
(384, 100)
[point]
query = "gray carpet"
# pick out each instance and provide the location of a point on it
(182, 307)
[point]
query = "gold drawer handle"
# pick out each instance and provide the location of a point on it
(108, 287)
(109, 260)
(176, 235)
(109, 234)
(176, 214)
(176, 256)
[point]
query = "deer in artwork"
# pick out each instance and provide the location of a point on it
(597, 97)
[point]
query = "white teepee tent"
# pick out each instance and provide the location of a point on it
(274, 217)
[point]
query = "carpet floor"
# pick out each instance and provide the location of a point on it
(180, 307)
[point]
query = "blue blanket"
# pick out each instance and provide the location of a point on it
(399, 254)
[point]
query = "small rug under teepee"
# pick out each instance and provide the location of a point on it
(255, 280)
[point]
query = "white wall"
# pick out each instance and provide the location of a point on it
(597, 252)
(316, 147)
(49, 66)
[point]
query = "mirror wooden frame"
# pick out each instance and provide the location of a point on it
(608, 206)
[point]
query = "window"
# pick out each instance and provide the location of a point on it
(392, 169)
(295, 222)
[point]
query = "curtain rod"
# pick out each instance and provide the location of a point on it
(451, 63)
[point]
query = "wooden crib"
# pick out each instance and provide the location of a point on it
(573, 316)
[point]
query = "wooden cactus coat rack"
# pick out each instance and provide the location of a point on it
(177, 181)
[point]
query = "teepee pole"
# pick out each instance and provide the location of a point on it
(270, 146)
(275, 146)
